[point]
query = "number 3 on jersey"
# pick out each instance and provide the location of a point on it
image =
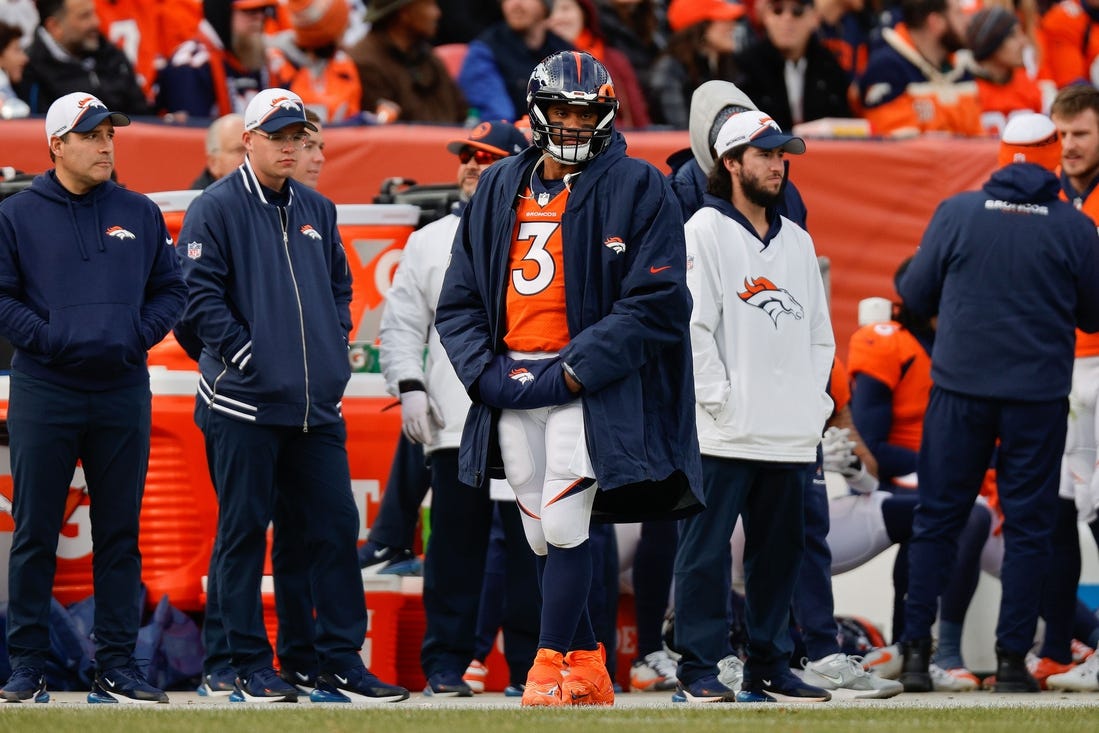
(538, 233)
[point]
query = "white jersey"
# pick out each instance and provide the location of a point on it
(408, 323)
(761, 338)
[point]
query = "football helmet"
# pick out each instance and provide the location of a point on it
(575, 78)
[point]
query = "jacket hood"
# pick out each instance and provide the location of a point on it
(706, 102)
(48, 187)
(1023, 183)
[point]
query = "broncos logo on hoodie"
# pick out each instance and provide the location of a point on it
(771, 299)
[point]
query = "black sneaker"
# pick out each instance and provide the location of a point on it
(25, 683)
(219, 683)
(264, 685)
(915, 669)
(1012, 674)
(125, 685)
(447, 684)
(375, 559)
(782, 686)
(306, 682)
(355, 685)
(706, 689)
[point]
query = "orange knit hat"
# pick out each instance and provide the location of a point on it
(318, 23)
(1030, 138)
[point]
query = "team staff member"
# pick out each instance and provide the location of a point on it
(579, 363)
(88, 283)
(758, 301)
(269, 297)
(1011, 271)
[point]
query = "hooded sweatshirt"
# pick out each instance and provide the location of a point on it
(1010, 271)
(87, 283)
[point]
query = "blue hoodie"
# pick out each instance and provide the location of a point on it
(1011, 271)
(87, 283)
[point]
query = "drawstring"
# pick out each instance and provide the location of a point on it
(76, 230)
(98, 225)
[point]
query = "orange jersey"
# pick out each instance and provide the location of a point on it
(536, 287)
(1087, 344)
(148, 31)
(893, 356)
(839, 386)
(998, 101)
(1071, 43)
(334, 93)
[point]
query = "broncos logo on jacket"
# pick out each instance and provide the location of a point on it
(771, 299)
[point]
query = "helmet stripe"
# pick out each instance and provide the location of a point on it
(579, 66)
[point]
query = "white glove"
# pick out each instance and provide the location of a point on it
(839, 457)
(418, 420)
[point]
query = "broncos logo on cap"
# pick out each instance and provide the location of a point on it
(521, 375)
(285, 103)
(120, 233)
(771, 299)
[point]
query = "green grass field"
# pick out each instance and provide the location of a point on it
(708, 719)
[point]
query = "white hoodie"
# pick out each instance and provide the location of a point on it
(761, 338)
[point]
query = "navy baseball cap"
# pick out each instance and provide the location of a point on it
(273, 109)
(497, 137)
(79, 112)
(757, 129)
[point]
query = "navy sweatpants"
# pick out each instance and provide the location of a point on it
(813, 602)
(454, 566)
(959, 438)
(253, 467)
(51, 427)
(770, 496)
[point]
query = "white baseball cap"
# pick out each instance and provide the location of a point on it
(273, 109)
(757, 129)
(79, 112)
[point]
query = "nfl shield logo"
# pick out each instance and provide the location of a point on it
(194, 250)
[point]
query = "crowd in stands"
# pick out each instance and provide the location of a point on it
(951, 66)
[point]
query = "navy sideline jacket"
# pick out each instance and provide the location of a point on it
(88, 284)
(1011, 271)
(270, 300)
(628, 312)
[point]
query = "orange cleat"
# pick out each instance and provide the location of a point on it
(544, 685)
(588, 682)
(1041, 668)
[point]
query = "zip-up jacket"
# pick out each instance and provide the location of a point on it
(269, 297)
(627, 308)
(88, 284)
(1010, 271)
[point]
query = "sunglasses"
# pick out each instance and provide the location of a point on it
(483, 157)
(795, 9)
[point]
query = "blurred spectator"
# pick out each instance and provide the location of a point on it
(23, 14)
(147, 32)
(402, 78)
(497, 67)
(636, 28)
(1071, 41)
(700, 49)
(69, 54)
(577, 22)
(224, 149)
(464, 19)
(844, 29)
(997, 42)
(912, 84)
(307, 59)
(222, 67)
(13, 59)
(312, 159)
(788, 71)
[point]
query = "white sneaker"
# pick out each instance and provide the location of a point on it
(841, 672)
(730, 672)
(885, 661)
(1081, 678)
(654, 673)
(957, 679)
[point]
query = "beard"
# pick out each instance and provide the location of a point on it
(755, 191)
(249, 51)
